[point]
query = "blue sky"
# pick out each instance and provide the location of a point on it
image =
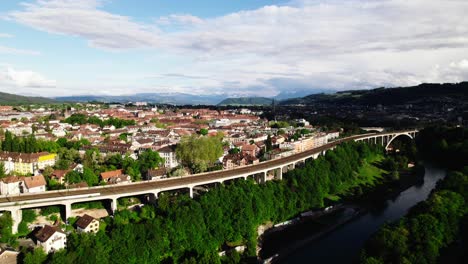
(69, 47)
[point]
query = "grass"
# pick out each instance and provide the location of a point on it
(367, 175)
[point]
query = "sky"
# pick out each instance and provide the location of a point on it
(236, 47)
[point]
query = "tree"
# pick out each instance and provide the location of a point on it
(203, 131)
(198, 153)
(2, 170)
(268, 143)
(37, 256)
(90, 177)
(73, 177)
(149, 160)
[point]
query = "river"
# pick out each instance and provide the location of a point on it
(344, 244)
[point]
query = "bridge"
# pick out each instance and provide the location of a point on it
(261, 172)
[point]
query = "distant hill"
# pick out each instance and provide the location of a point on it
(156, 98)
(424, 93)
(12, 99)
(247, 101)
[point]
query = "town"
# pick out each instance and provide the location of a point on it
(55, 147)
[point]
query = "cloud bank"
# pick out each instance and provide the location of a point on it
(316, 44)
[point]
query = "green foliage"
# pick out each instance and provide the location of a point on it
(203, 131)
(429, 227)
(446, 146)
(6, 223)
(2, 170)
(12, 99)
(37, 256)
(184, 230)
(280, 124)
(81, 119)
(45, 211)
(199, 153)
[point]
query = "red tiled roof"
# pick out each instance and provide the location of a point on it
(34, 181)
(109, 174)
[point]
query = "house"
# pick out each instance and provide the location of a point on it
(59, 175)
(34, 184)
(87, 224)
(11, 185)
(169, 155)
(50, 238)
(332, 135)
(8, 256)
(155, 174)
(251, 150)
(105, 176)
(115, 177)
(232, 161)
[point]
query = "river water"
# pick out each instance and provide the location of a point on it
(344, 244)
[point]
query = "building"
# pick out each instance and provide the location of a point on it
(332, 135)
(27, 163)
(87, 224)
(155, 174)
(50, 238)
(251, 150)
(169, 155)
(115, 177)
(11, 185)
(34, 184)
(8, 256)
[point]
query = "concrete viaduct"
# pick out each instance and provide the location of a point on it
(262, 172)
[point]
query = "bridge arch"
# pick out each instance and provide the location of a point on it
(396, 136)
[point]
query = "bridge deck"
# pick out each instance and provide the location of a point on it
(174, 183)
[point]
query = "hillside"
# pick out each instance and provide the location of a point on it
(12, 99)
(247, 101)
(424, 93)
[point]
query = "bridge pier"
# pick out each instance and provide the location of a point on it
(191, 191)
(114, 205)
(278, 173)
(17, 217)
(153, 197)
(68, 211)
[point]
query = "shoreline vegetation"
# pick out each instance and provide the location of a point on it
(297, 232)
(435, 230)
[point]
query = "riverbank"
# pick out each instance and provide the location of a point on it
(343, 245)
(280, 242)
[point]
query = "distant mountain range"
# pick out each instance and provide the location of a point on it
(182, 98)
(155, 98)
(12, 99)
(384, 96)
(457, 92)
(247, 101)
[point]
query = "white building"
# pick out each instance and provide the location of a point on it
(11, 185)
(51, 238)
(87, 224)
(333, 135)
(34, 184)
(169, 155)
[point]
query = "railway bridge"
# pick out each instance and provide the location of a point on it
(262, 172)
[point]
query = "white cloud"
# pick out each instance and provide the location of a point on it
(83, 19)
(5, 35)
(8, 50)
(22, 79)
(321, 44)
